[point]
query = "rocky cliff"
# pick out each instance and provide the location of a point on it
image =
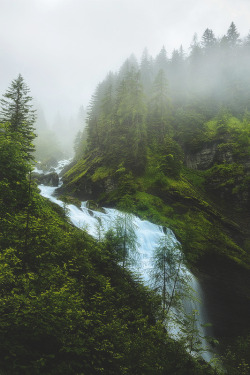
(226, 172)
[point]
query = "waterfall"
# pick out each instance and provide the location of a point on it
(148, 236)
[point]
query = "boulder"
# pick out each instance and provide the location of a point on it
(49, 179)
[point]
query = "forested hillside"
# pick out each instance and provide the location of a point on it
(169, 139)
(66, 304)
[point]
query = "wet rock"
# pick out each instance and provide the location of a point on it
(208, 155)
(49, 179)
(202, 159)
(92, 205)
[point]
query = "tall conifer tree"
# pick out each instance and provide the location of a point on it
(17, 111)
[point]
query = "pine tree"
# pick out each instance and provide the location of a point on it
(178, 77)
(93, 112)
(17, 112)
(208, 39)
(166, 274)
(122, 238)
(146, 71)
(160, 109)
(161, 61)
(195, 65)
(130, 131)
(232, 35)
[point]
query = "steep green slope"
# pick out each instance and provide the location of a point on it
(66, 306)
(210, 219)
(188, 204)
(198, 186)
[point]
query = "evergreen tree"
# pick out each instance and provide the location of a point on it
(130, 132)
(247, 41)
(93, 112)
(177, 77)
(18, 113)
(123, 239)
(160, 109)
(195, 67)
(161, 61)
(232, 35)
(192, 337)
(128, 65)
(208, 39)
(146, 71)
(106, 117)
(79, 144)
(167, 278)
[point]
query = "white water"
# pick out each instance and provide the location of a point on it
(148, 236)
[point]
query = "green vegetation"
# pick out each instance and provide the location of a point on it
(169, 139)
(178, 160)
(66, 306)
(166, 275)
(123, 238)
(17, 114)
(164, 143)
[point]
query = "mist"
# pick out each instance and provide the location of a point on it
(213, 74)
(63, 48)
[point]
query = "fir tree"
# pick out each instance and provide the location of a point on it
(208, 39)
(18, 113)
(166, 274)
(232, 35)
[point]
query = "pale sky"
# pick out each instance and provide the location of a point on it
(63, 48)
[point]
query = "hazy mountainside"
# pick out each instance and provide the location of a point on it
(169, 143)
(169, 139)
(66, 304)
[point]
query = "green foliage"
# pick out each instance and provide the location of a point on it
(18, 115)
(190, 125)
(159, 119)
(13, 182)
(166, 275)
(100, 173)
(151, 207)
(67, 307)
(225, 174)
(236, 358)
(146, 122)
(192, 337)
(195, 177)
(80, 144)
(125, 238)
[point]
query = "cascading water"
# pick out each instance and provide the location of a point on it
(148, 236)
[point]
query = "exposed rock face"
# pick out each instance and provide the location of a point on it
(208, 155)
(49, 179)
(202, 159)
(109, 185)
(229, 181)
(47, 165)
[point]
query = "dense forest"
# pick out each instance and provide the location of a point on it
(169, 140)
